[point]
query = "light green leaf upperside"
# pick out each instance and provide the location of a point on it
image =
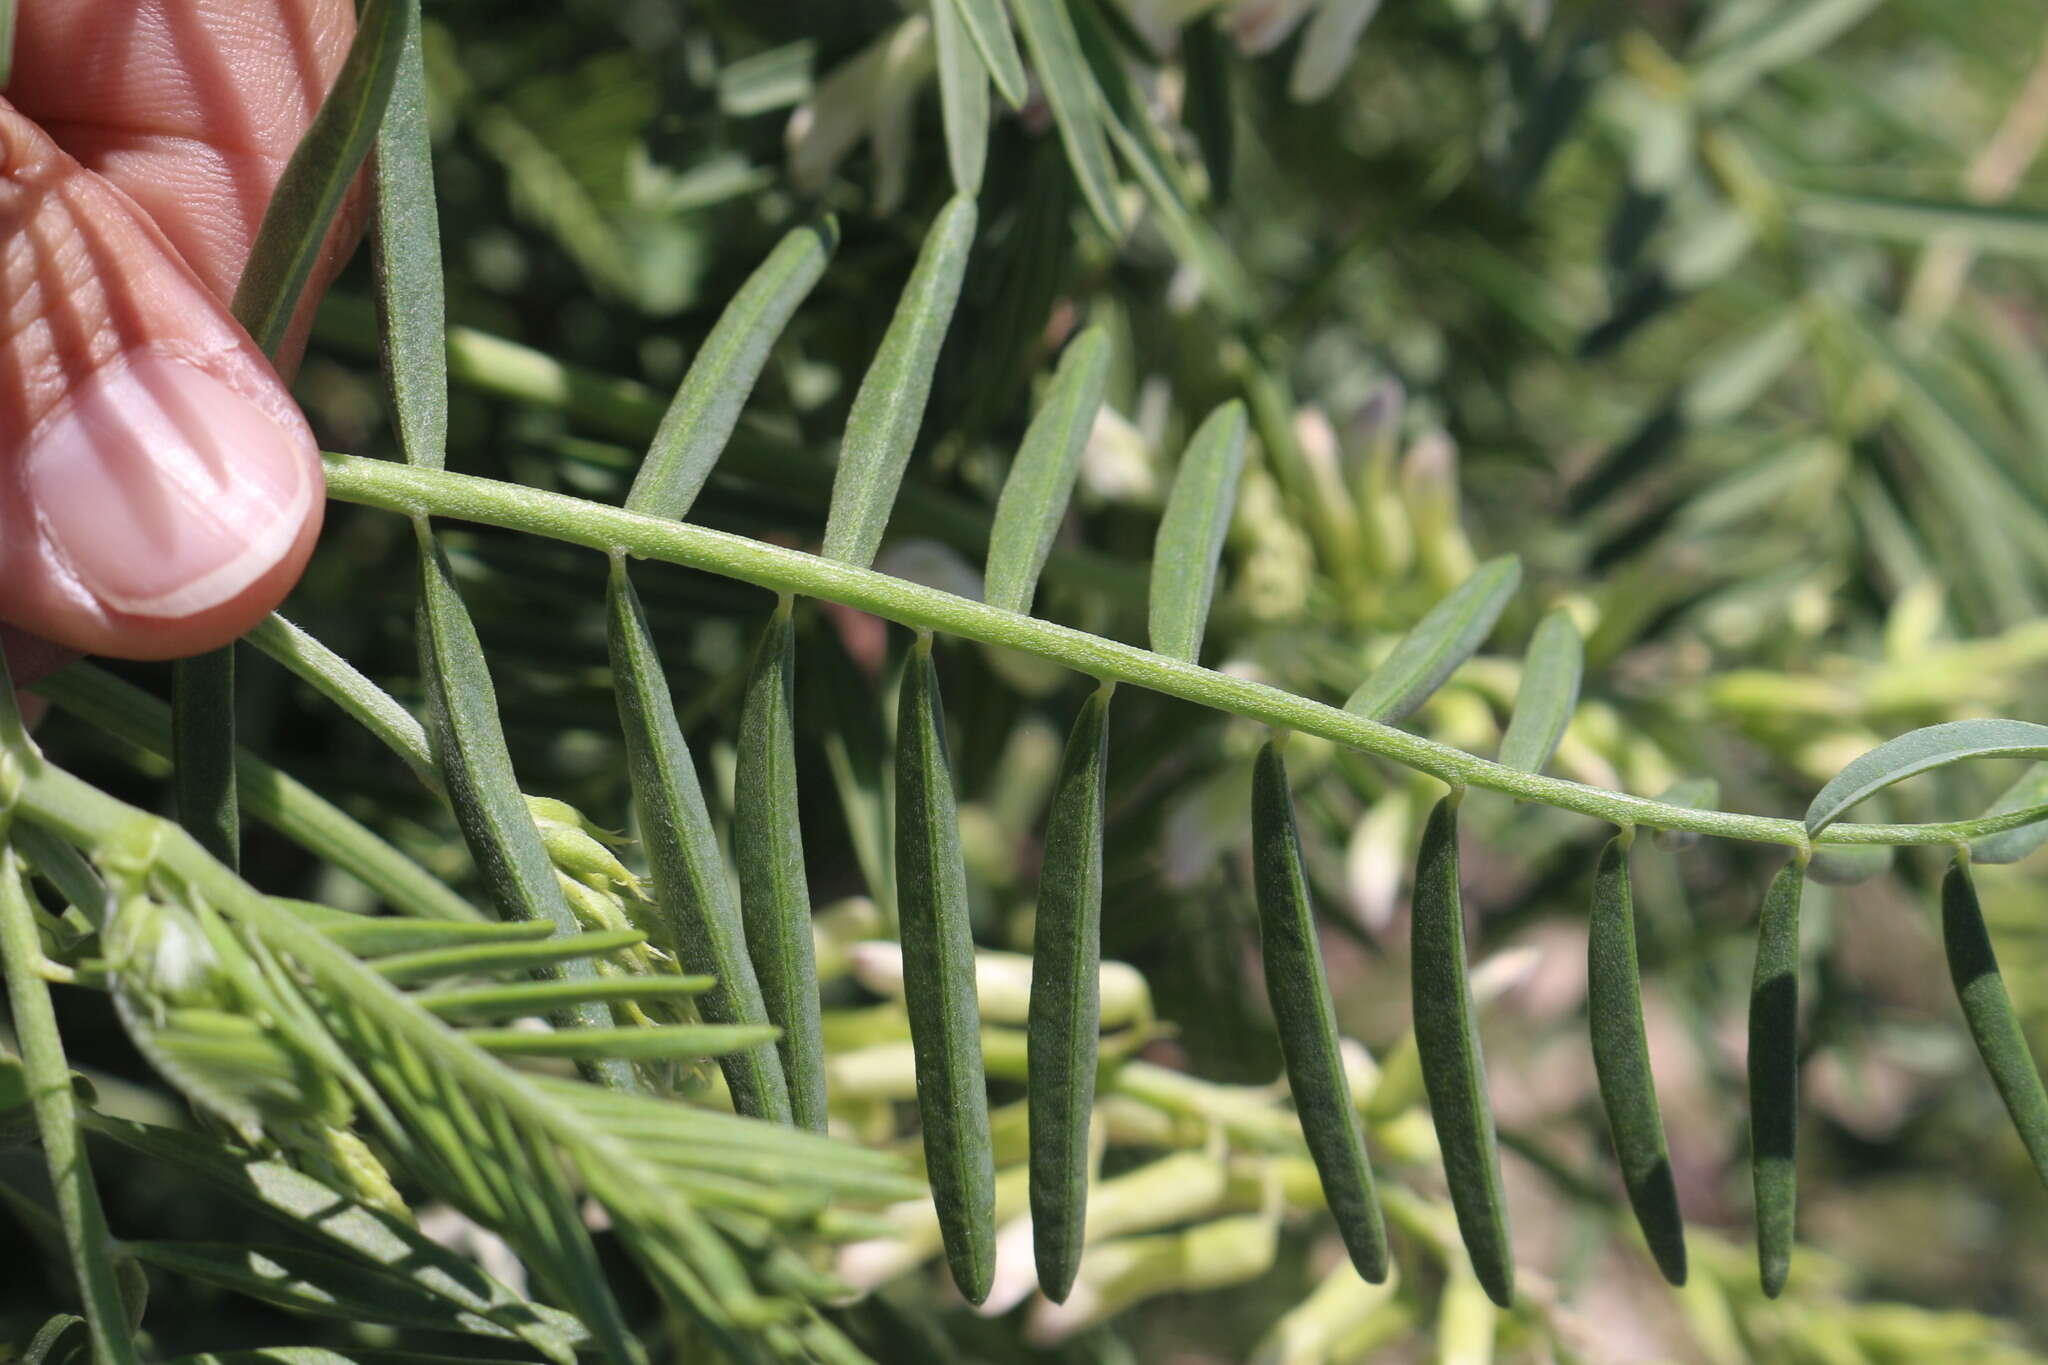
(881, 430)
(1919, 751)
(963, 98)
(1449, 634)
(1191, 532)
(411, 309)
(2029, 790)
(1034, 498)
(316, 179)
(700, 419)
(1551, 673)
(990, 30)
(1076, 103)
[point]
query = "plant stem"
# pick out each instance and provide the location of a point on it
(56, 1110)
(415, 492)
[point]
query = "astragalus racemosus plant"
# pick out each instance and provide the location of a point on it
(1071, 679)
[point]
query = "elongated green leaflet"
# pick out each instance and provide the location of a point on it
(768, 844)
(1993, 1022)
(1774, 1075)
(1450, 633)
(476, 770)
(963, 98)
(699, 921)
(1918, 751)
(1299, 990)
(203, 752)
(1071, 91)
(1066, 1004)
(1621, 1057)
(990, 30)
(700, 419)
(1551, 673)
(475, 763)
(1034, 499)
(1190, 541)
(938, 983)
(881, 430)
(1453, 1070)
(412, 321)
(343, 684)
(316, 179)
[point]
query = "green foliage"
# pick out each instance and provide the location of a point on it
(1591, 299)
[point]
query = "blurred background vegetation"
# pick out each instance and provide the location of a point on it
(1726, 317)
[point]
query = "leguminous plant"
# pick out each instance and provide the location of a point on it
(1463, 478)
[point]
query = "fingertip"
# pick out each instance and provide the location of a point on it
(173, 502)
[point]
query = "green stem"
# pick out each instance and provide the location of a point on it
(56, 1110)
(415, 492)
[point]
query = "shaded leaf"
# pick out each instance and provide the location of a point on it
(1774, 1075)
(1919, 751)
(1065, 1009)
(1299, 990)
(1621, 1058)
(938, 982)
(2009, 846)
(1994, 1024)
(1453, 1069)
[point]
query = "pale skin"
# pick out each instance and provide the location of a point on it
(159, 489)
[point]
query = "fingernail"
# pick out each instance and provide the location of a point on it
(164, 491)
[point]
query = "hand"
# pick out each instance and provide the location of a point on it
(159, 490)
